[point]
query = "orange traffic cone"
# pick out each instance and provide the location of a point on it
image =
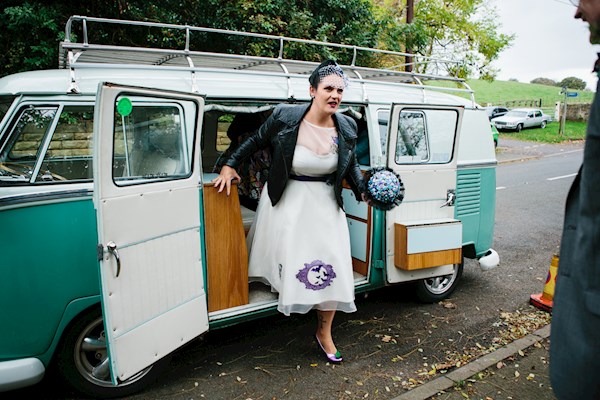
(543, 301)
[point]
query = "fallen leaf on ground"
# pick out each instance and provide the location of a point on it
(448, 304)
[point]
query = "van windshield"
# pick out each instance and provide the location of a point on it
(5, 102)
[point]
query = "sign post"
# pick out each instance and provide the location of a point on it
(564, 91)
(563, 117)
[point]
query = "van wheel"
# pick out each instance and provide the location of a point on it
(543, 125)
(519, 127)
(432, 290)
(84, 364)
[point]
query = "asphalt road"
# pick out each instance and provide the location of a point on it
(392, 342)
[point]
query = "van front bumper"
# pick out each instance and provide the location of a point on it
(16, 374)
(489, 260)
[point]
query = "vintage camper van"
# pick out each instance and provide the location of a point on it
(116, 249)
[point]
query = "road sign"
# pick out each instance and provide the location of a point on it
(572, 94)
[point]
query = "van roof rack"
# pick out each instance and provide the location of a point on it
(83, 53)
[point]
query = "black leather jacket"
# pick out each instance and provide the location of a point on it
(280, 131)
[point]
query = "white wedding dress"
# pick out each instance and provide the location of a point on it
(301, 247)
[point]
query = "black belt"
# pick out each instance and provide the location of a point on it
(306, 178)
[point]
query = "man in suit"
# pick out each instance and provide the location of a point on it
(575, 332)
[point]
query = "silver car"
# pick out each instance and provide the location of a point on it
(521, 118)
(495, 111)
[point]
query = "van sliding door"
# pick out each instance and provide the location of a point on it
(422, 237)
(146, 194)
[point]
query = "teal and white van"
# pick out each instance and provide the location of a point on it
(114, 247)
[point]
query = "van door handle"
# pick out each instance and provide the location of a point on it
(450, 197)
(112, 249)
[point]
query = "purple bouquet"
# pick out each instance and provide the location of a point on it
(384, 188)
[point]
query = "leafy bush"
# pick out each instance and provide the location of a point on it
(544, 81)
(573, 83)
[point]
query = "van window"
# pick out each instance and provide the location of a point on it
(412, 141)
(151, 143)
(18, 157)
(423, 136)
(69, 156)
(223, 124)
(63, 144)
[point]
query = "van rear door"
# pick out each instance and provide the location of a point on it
(422, 237)
(146, 195)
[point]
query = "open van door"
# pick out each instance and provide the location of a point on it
(146, 195)
(423, 239)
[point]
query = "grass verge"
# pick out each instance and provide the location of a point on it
(574, 130)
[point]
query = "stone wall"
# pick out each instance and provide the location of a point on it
(578, 111)
(72, 140)
(575, 111)
(69, 140)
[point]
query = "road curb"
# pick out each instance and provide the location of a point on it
(450, 379)
(516, 159)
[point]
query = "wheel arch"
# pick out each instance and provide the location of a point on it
(72, 311)
(468, 250)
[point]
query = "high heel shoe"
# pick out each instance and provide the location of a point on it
(335, 358)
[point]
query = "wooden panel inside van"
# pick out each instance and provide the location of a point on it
(226, 251)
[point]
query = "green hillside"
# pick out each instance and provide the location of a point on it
(500, 92)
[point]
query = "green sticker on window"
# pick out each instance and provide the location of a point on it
(124, 106)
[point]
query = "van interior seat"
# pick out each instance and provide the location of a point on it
(247, 218)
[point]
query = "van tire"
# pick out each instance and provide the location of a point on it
(432, 290)
(543, 125)
(75, 363)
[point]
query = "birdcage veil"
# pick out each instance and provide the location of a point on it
(331, 73)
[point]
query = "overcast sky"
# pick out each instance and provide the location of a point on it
(549, 42)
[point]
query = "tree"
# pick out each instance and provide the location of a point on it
(30, 37)
(572, 83)
(544, 81)
(32, 29)
(462, 31)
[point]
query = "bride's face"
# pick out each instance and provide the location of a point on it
(328, 94)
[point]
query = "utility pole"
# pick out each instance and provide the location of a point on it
(410, 10)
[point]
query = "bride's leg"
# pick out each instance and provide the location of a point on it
(324, 323)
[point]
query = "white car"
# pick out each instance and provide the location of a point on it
(520, 118)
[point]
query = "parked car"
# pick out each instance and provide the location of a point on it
(520, 118)
(495, 111)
